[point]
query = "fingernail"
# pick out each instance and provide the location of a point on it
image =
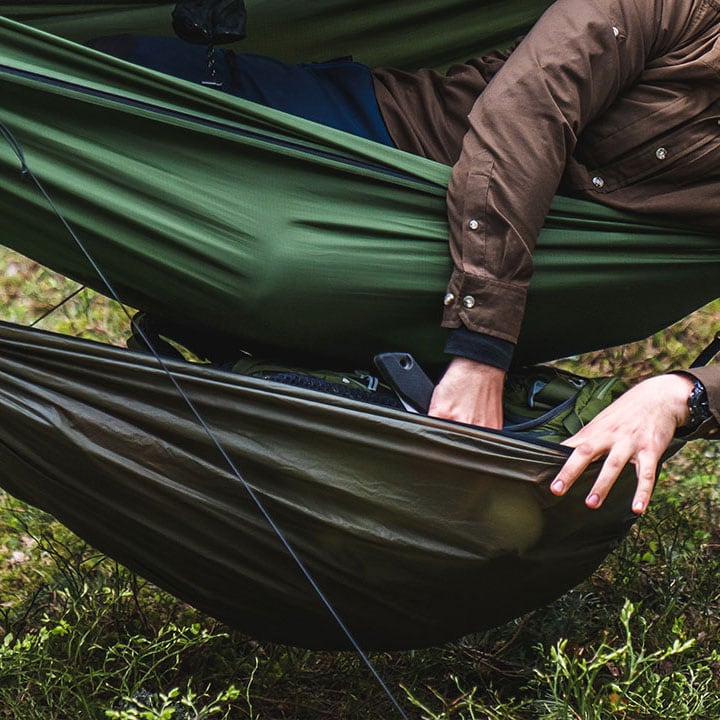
(557, 486)
(593, 501)
(639, 506)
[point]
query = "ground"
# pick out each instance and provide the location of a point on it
(81, 637)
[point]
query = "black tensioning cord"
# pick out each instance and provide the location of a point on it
(27, 174)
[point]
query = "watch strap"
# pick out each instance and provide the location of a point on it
(698, 407)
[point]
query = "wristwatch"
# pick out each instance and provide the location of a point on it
(698, 407)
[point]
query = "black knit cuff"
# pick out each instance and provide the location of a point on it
(483, 348)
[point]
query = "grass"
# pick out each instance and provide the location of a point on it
(81, 637)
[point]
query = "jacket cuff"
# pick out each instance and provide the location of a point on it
(485, 305)
(480, 347)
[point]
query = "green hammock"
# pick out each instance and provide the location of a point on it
(417, 530)
(294, 238)
(261, 226)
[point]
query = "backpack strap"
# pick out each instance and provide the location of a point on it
(708, 353)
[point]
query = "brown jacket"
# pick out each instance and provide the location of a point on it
(616, 101)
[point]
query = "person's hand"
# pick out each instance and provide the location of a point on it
(470, 392)
(637, 428)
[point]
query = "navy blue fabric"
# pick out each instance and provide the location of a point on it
(338, 94)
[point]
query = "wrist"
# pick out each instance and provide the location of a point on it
(475, 369)
(681, 399)
(670, 394)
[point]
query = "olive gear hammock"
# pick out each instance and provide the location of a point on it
(293, 239)
(258, 225)
(417, 530)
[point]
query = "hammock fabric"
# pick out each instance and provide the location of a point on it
(258, 225)
(417, 530)
(209, 210)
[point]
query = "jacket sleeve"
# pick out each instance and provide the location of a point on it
(579, 56)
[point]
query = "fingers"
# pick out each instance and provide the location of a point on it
(610, 471)
(646, 469)
(645, 461)
(573, 468)
(636, 429)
